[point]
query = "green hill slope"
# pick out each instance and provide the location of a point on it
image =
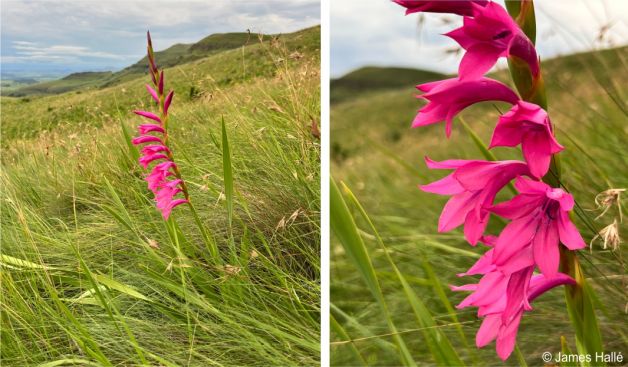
(372, 79)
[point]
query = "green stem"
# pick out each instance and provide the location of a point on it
(209, 241)
(578, 298)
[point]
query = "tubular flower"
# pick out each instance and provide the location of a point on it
(502, 299)
(539, 220)
(473, 186)
(490, 34)
(460, 7)
(159, 179)
(450, 96)
(528, 124)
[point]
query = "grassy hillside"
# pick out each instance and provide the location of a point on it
(175, 55)
(380, 158)
(374, 79)
(92, 275)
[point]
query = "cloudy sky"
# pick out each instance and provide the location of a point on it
(100, 35)
(375, 32)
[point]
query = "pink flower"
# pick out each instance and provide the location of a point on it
(540, 219)
(149, 115)
(460, 7)
(528, 124)
(145, 160)
(154, 149)
(502, 299)
(448, 97)
(149, 128)
(490, 34)
(473, 186)
(145, 139)
(159, 175)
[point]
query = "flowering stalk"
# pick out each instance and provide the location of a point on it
(164, 180)
(578, 298)
(539, 214)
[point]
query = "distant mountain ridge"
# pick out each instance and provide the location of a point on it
(176, 54)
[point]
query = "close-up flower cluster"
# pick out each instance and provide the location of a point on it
(539, 214)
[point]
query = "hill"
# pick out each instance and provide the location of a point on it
(175, 55)
(372, 79)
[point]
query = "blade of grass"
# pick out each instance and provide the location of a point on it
(443, 352)
(343, 226)
(227, 174)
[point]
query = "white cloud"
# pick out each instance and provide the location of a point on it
(112, 33)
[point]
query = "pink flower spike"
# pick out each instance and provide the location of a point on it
(490, 34)
(149, 128)
(528, 124)
(145, 139)
(161, 83)
(152, 93)
(168, 101)
(460, 7)
(147, 159)
(149, 115)
(448, 97)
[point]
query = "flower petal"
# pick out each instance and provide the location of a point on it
(568, 232)
(537, 151)
(478, 60)
(488, 330)
(152, 93)
(455, 211)
(545, 246)
(168, 101)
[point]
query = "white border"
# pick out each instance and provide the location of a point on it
(325, 172)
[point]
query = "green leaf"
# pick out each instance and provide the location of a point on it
(227, 172)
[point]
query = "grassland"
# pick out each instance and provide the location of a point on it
(380, 159)
(174, 55)
(90, 272)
